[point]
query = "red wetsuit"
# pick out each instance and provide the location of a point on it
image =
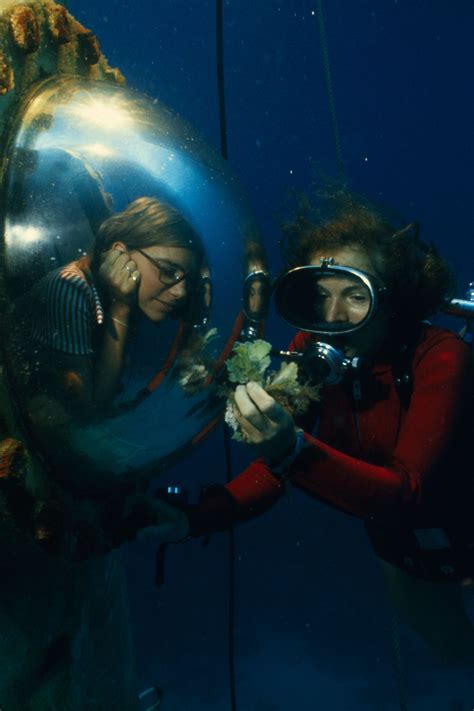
(394, 466)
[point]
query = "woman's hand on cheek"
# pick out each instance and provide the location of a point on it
(119, 276)
(264, 422)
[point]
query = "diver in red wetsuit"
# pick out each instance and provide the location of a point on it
(388, 442)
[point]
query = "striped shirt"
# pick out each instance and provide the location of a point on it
(69, 311)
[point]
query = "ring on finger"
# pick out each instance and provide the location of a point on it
(134, 277)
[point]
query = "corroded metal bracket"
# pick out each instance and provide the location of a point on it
(40, 40)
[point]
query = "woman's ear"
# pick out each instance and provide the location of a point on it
(120, 247)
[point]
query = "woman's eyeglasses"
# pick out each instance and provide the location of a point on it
(169, 273)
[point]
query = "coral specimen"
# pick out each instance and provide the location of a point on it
(250, 362)
(193, 367)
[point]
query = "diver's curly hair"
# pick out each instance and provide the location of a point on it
(417, 279)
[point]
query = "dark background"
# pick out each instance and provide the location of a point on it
(313, 626)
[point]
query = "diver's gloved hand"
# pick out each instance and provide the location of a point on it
(172, 525)
(264, 422)
(216, 511)
(155, 520)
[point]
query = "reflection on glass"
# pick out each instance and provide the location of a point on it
(94, 338)
(340, 300)
(83, 317)
(256, 295)
(118, 218)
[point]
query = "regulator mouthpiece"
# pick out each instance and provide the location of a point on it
(322, 363)
(327, 365)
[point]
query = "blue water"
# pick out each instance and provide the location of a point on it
(312, 623)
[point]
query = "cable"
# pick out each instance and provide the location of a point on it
(220, 77)
(398, 663)
(231, 616)
(330, 90)
(227, 448)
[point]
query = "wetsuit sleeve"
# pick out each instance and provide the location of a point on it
(64, 322)
(440, 375)
(363, 489)
(251, 493)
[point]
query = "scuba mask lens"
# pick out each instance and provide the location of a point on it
(339, 303)
(256, 295)
(328, 299)
(255, 302)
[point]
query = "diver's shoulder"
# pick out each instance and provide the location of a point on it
(435, 339)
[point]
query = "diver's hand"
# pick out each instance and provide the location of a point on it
(172, 525)
(264, 422)
(119, 276)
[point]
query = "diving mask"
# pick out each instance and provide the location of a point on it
(327, 300)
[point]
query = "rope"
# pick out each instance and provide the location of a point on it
(227, 448)
(330, 90)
